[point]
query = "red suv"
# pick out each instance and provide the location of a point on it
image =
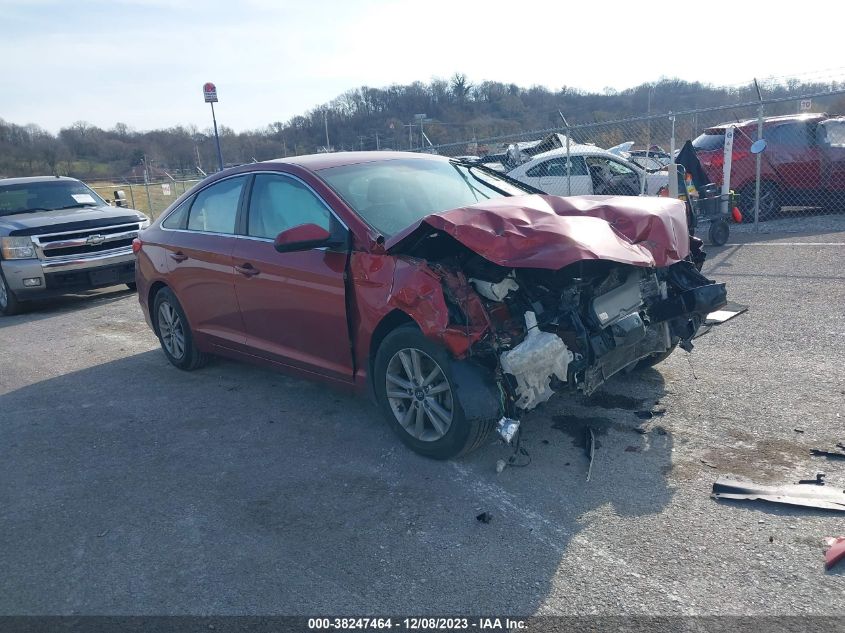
(455, 295)
(803, 164)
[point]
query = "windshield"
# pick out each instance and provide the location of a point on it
(393, 194)
(46, 195)
(711, 140)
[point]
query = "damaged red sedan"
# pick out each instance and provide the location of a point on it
(455, 296)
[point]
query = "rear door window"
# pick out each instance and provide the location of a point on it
(556, 167)
(215, 208)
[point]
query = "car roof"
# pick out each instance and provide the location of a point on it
(26, 179)
(574, 150)
(784, 118)
(316, 162)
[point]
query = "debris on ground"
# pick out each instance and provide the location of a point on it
(818, 481)
(501, 464)
(590, 442)
(817, 452)
(708, 464)
(660, 430)
(641, 430)
(798, 430)
(545, 442)
(507, 429)
(633, 449)
(821, 498)
(835, 552)
(648, 415)
(484, 517)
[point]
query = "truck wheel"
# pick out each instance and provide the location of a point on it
(174, 333)
(771, 200)
(416, 393)
(655, 359)
(132, 286)
(9, 303)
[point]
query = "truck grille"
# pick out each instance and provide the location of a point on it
(98, 240)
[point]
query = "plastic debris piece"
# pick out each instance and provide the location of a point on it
(507, 428)
(484, 517)
(836, 551)
(501, 464)
(818, 481)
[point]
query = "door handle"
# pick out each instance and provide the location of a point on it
(178, 256)
(247, 270)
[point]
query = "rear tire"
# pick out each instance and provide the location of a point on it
(174, 333)
(718, 233)
(416, 392)
(9, 304)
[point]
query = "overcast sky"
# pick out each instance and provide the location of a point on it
(143, 62)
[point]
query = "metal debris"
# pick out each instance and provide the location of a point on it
(821, 498)
(835, 552)
(817, 452)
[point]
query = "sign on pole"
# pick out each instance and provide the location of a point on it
(209, 91)
(806, 105)
(165, 188)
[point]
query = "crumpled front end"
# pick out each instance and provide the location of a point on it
(536, 317)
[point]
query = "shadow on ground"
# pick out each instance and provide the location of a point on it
(132, 487)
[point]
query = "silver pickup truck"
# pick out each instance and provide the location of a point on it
(58, 236)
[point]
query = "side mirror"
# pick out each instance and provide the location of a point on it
(119, 198)
(758, 146)
(302, 238)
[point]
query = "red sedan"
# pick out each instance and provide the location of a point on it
(455, 296)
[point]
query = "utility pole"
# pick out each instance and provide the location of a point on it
(361, 142)
(326, 123)
(377, 143)
(410, 127)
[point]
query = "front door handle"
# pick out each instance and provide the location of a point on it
(247, 270)
(178, 256)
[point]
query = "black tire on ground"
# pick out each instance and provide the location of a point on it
(771, 200)
(9, 303)
(132, 286)
(463, 435)
(182, 353)
(718, 232)
(655, 359)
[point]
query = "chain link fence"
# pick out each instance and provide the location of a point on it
(800, 172)
(150, 197)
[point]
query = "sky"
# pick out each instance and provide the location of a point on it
(143, 62)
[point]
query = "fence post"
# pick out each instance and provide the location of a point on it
(131, 196)
(149, 200)
(757, 160)
(568, 162)
(726, 170)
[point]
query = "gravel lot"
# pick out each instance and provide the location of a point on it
(129, 487)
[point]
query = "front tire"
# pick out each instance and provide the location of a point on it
(9, 304)
(771, 200)
(174, 333)
(417, 394)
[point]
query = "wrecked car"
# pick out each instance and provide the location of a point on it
(452, 294)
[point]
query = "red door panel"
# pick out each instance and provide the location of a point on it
(294, 306)
(201, 273)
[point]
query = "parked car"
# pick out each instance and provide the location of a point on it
(455, 295)
(592, 171)
(804, 162)
(58, 236)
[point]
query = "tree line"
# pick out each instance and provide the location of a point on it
(364, 118)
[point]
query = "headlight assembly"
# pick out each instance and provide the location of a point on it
(17, 248)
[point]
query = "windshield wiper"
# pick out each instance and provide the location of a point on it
(17, 211)
(75, 206)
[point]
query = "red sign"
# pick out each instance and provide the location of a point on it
(209, 91)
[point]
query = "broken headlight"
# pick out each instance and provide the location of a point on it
(17, 247)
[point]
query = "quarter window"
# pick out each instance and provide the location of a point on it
(216, 207)
(279, 203)
(178, 217)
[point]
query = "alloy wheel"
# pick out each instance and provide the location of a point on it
(171, 329)
(419, 394)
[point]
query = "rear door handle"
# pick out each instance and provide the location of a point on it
(247, 270)
(179, 256)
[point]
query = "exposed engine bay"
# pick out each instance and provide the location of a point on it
(546, 293)
(575, 327)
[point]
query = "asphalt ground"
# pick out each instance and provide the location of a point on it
(130, 487)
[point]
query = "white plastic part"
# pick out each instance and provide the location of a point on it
(533, 363)
(507, 428)
(495, 292)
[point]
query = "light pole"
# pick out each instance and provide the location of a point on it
(209, 91)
